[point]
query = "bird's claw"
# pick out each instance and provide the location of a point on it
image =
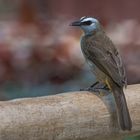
(96, 87)
(100, 90)
(90, 89)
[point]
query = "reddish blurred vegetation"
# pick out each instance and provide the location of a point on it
(37, 45)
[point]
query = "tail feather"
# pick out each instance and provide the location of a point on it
(122, 109)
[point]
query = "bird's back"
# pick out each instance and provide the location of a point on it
(100, 50)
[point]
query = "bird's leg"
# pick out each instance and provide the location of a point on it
(94, 84)
(91, 88)
(102, 91)
(99, 88)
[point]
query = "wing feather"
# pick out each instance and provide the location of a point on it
(106, 58)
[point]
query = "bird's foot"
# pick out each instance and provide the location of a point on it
(87, 89)
(98, 88)
(90, 88)
(97, 91)
(95, 86)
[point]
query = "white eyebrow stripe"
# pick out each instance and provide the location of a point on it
(89, 19)
(82, 17)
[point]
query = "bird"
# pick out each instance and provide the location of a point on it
(105, 62)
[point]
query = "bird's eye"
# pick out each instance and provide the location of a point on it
(87, 23)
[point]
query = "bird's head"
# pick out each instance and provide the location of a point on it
(87, 24)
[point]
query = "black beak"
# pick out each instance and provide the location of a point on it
(75, 23)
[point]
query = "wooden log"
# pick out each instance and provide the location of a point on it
(68, 116)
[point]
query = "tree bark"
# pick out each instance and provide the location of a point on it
(70, 116)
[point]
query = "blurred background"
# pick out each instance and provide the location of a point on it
(40, 53)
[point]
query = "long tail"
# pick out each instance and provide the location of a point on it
(122, 109)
